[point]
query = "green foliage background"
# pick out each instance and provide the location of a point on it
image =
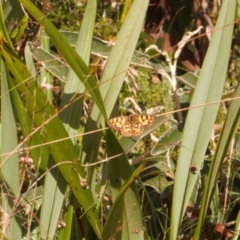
(66, 69)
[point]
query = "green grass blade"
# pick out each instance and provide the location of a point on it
(30, 61)
(53, 196)
(121, 55)
(72, 58)
(71, 119)
(229, 129)
(10, 189)
(46, 121)
(114, 72)
(65, 233)
(45, 78)
(200, 121)
(237, 227)
(71, 115)
(126, 213)
(40, 154)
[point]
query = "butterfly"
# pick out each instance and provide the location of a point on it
(131, 125)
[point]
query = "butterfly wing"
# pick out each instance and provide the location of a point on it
(137, 128)
(117, 123)
(131, 125)
(126, 129)
(146, 120)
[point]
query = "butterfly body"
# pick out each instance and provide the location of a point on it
(131, 125)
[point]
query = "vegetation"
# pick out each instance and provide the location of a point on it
(67, 69)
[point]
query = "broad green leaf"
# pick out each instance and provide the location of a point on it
(52, 63)
(167, 141)
(99, 48)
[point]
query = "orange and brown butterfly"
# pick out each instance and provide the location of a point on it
(131, 125)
